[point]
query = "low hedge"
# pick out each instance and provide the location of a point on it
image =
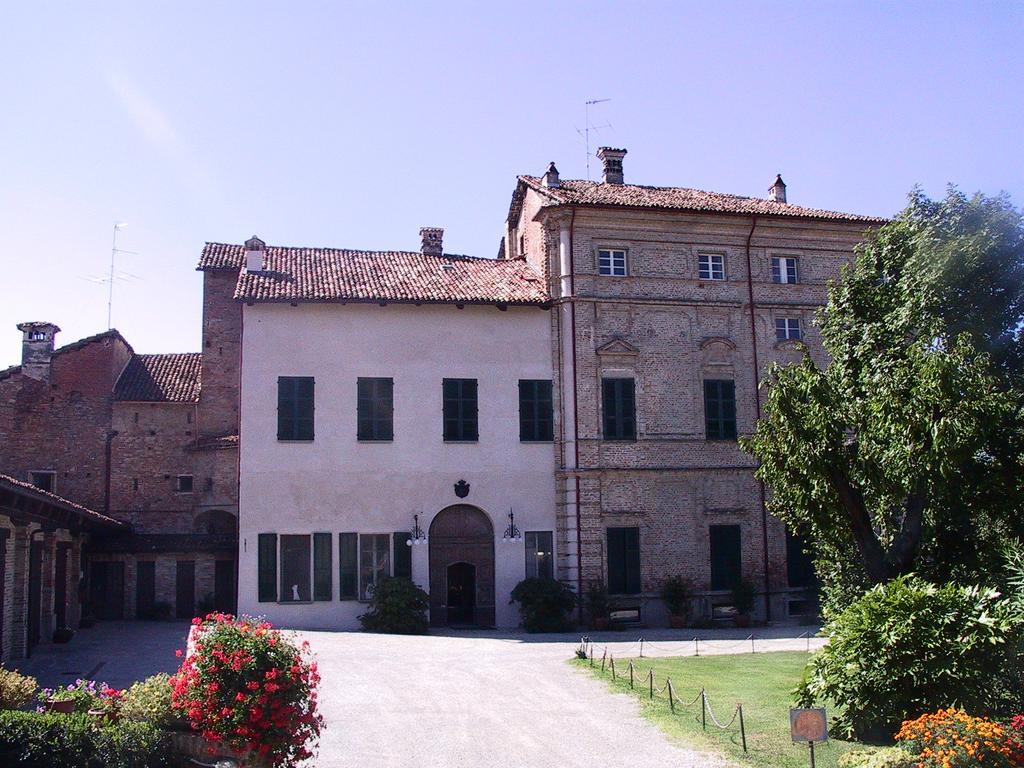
(35, 740)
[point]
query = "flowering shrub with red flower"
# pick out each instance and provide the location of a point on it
(247, 687)
(950, 738)
(1016, 740)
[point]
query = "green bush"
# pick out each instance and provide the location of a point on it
(32, 740)
(544, 605)
(599, 605)
(16, 690)
(886, 757)
(910, 647)
(676, 592)
(397, 606)
(149, 701)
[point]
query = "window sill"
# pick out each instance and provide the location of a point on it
(283, 440)
(537, 442)
(375, 440)
(295, 602)
(619, 439)
(461, 442)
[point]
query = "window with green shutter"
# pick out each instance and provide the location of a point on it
(726, 565)
(322, 568)
(536, 417)
(403, 555)
(375, 411)
(624, 561)
(348, 566)
(619, 402)
(374, 562)
(720, 409)
(460, 410)
(267, 568)
(295, 571)
(295, 408)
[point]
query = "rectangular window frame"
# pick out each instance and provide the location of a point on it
(296, 409)
(184, 484)
(348, 566)
(618, 408)
(540, 554)
(719, 580)
(613, 262)
(380, 545)
(711, 266)
(36, 474)
(285, 590)
(460, 410)
(266, 568)
(323, 566)
(788, 329)
(720, 410)
(624, 578)
(536, 411)
(785, 270)
(375, 409)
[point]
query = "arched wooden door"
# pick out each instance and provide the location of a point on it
(461, 544)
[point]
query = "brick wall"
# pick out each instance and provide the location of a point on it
(222, 334)
(63, 426)
(670, 331)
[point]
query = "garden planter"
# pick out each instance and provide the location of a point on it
(63, 707)
(190, 745)
(677, 622)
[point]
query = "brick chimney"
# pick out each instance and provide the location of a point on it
(254, 252)
(612, 159)
(777, 191)
(37, 349)
(430, 241)
(550, 178)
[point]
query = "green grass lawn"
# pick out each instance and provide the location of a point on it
(761, 682)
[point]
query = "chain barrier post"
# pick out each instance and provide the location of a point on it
(613, 668)
(630, 675)
(808, 641)
(696, 647)
(671, 695)
(752, 643)
(650, 679)
(743, 730)
(603, 657)
(641, 647)
(703, 709)
(591, 655)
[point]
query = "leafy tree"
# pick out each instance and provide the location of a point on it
(905, 452)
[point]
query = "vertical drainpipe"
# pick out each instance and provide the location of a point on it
(571, 459)
(757, 415)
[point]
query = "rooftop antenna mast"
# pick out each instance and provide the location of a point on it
(114, 250)
(587, 128)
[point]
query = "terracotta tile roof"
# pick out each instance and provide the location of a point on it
(173, 378)
(577, 192)
(27, 489)
(331, 274)
(111, 334)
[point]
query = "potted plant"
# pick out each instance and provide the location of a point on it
(248, 690)
(83, 696)
(675, 592)
(598, 605)
(743, 601)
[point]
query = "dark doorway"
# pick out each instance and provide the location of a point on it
(461, 567)
(145, 589)
(185, 589)
(224, 586)
(106, 589)
(35, 586)
(60, 585)
(461, 594)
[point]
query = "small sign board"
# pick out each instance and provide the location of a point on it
(808, 725)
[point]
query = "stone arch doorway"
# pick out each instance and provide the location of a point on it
(461, 551)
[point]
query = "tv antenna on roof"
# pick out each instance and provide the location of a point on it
(587, 128)
(115, 275)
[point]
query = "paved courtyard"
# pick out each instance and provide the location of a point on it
(459, 699)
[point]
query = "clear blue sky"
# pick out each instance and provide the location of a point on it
(354, 124)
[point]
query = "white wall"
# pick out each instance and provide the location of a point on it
(336, 483)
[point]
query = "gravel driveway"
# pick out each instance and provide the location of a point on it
(476, 700)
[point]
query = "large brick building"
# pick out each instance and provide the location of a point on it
(670, 303)
(150, 441)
